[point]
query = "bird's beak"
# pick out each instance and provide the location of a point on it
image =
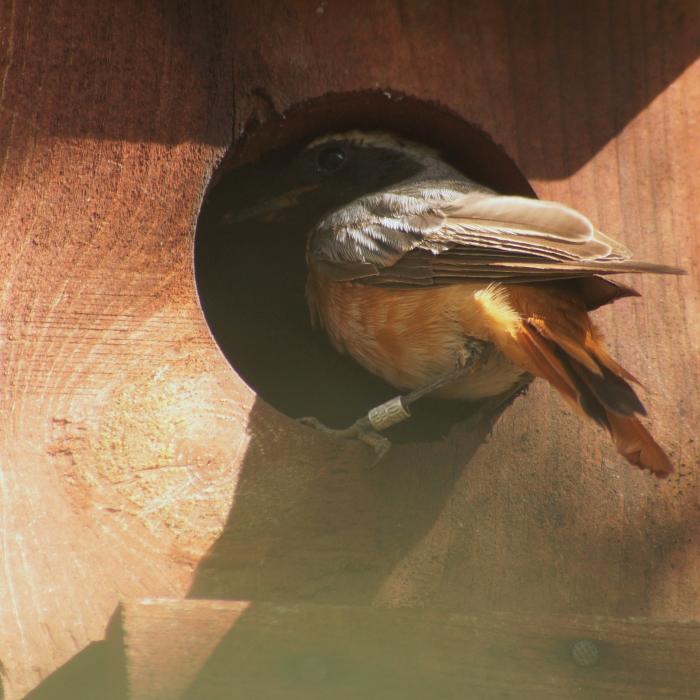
(269, 210)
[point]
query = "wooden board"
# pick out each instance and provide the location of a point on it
(216, 649)
(128, 447)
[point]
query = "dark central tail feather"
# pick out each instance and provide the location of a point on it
(584, 373)
(600, 392)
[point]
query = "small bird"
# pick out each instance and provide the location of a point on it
(438, 284)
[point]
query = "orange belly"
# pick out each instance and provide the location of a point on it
(410, 337)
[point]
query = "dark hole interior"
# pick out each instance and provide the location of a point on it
(250, 274)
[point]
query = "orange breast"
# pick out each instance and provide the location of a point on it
(409, 337)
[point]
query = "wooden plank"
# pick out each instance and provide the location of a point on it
(219, 649)
(98, 325)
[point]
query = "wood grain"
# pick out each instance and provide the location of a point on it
(209, 649)
(128, 447)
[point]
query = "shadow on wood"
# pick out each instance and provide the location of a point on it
(210, 650)
(101, 77)
(576, 73)
(334, 529)
(98, 671)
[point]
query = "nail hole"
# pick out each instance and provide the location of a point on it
(585, 653)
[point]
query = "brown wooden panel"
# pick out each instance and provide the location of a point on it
(111, 118)
(129, 448)
(216, 649)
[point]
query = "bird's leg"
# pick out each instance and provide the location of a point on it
(367, 429)
(361, 430)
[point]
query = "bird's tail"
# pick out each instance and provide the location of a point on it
(561, 345)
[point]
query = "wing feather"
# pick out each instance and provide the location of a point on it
(408, 238)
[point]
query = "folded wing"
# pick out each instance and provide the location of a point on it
(437, 236)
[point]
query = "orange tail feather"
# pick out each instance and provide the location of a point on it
(637, 446)
(561, 345)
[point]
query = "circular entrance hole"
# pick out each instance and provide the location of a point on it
(251, 272)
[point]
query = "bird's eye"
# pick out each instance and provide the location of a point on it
(330, 159)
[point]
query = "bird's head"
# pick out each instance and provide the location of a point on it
(331, 171)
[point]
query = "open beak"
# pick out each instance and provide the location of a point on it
(271, 209)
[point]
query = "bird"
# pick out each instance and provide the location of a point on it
(438, 284)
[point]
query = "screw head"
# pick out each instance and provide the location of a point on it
(585, 653)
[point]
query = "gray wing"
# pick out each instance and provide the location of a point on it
(444, 233)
